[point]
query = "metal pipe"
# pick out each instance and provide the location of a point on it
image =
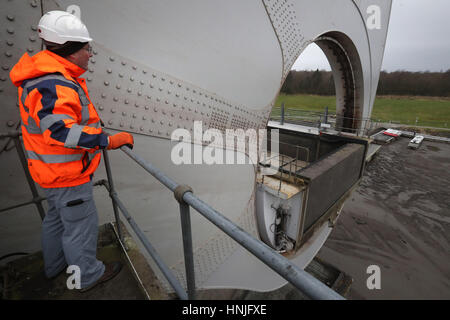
(23, 161)
(298, 277)
(162, 266)
(304, 148)
(169, 183)
(187, 248)
(11, 134)
(115, 198)
(111, 192)
(318, 147)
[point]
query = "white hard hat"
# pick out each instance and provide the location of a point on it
(61, 26)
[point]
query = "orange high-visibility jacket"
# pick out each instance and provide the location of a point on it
(60, 126)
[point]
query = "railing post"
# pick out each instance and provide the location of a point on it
(112, 192)
(187, 239)
(282, 113)
(33, 188)
(299, 278)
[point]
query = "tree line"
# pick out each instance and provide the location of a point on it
(390, 83)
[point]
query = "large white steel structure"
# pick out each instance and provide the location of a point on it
(161, 65)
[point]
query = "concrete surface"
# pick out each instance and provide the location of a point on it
(398, 219)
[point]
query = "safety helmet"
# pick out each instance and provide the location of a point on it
(61, 26)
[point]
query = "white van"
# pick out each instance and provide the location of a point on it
(415, 142)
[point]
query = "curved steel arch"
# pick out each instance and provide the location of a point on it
(347, 73)
(166, 64)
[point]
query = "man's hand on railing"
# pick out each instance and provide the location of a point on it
(120, 139)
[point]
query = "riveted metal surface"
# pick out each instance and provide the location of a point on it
(211, 255)
(133, 97)
(286, 25)
(17, 35)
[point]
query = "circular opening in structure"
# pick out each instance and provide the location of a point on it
(308, 92)
(325, 87)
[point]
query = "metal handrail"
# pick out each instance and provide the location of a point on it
(303, 281)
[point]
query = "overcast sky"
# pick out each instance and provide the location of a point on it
(418, 39)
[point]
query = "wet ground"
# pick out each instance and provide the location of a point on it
(398, 219)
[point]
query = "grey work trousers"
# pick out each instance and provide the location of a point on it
(69, 232)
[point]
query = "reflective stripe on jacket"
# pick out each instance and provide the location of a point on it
(60, 126)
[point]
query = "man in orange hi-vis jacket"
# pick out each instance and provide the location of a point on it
(63, 137)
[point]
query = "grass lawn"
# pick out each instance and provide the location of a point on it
(429, 111)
